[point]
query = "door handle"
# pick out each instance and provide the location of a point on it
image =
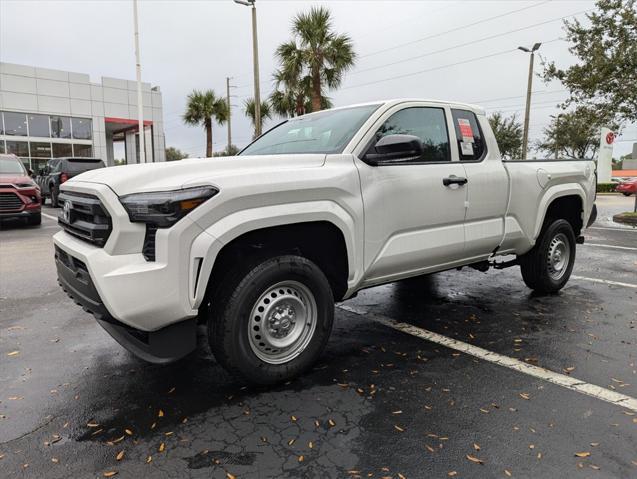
(454, 180)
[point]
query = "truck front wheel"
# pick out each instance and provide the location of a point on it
(271, 321)
(548, 266)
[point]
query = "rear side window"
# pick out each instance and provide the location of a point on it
(471, 145)
(426, 123)
(78, 166)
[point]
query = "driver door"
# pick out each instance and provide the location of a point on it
(414, 222)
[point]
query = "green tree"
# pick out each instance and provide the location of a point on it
(314, 60)
(508, 133)
(574, 134)
(231, 150)
(265, 110)
(173, 154)
(201, 109)
(605, 76)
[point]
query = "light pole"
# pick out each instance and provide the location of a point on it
(255, 59)
(140, 105)
(525, 138)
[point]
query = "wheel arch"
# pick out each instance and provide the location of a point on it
(565, 202)
(324, 234)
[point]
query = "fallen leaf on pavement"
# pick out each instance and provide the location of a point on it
(398, 428)
(474, 459)
(13, 353)
(120, 455)
(160, 413)
(582, 454)
(525, 396)
(476, 446)
(452, 473)
(162, 446)
(109, 473)
(128, 431)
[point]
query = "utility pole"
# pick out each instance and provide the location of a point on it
(525, 138)
(140, 105)
(229, 113)
(255, 60)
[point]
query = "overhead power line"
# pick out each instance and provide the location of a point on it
(472, 42)
(422, 39)
(427, 70)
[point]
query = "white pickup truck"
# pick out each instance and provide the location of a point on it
(258, 247)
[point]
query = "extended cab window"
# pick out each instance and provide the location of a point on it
(426, 123)
(471, 145)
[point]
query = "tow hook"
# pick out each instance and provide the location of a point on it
(580, 239)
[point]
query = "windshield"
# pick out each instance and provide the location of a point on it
(11, 166)
(323, 132)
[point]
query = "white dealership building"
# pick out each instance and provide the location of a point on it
(48, 113)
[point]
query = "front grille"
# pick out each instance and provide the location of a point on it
(84, 216)
(10, 202)
(149, 242)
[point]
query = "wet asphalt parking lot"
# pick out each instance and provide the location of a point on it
(380, 403)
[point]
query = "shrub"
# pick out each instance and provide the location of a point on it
(606, 187)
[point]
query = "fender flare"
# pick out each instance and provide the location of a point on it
(553, 193)
(208, 244)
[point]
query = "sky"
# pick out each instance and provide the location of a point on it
(455, 50)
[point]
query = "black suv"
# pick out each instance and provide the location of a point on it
(58, 170)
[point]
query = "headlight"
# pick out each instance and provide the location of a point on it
(165, 208)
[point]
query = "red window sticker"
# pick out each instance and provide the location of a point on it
(465, 128)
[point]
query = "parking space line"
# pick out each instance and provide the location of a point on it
(567, 382)
(49, 216)
(629, 248)
(605, 281)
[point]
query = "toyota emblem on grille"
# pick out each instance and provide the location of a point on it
(66, 211)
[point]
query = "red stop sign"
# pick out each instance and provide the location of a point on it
(610, 138)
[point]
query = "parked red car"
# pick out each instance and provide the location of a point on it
(19, 195)
(627, 187)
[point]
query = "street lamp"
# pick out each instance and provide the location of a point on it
(255, 59)
(525, 138)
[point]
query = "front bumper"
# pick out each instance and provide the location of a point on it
(161, 346)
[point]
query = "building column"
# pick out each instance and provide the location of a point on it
(110, 154)
(130, 141)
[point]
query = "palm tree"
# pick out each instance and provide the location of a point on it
(201, 109)
(317, 58)
(265, 110)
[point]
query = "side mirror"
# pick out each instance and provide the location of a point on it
(393, 148)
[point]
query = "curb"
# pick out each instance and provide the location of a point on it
(626, 220)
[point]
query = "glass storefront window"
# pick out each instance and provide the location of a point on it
(62, 149)
(40, 149)
(2, 146)
(60, 127)
(26, 163)
(37, 164)
(81, 128)
(1, 123)
(39, 126)
(18, 148)
(15, 124)
(84, 151)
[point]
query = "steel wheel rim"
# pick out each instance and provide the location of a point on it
(559, 255)
(282, 322)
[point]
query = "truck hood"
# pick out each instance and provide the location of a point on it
(173, 175)
(12, 178)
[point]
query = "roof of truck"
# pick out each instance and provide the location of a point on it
(390, 102)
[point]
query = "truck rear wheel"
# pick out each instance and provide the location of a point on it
(548, 266)
(271, 322)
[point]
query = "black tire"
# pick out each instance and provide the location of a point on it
(537, 268)
(626, 194)
(35, 220)
(231, 320)
(54, 197)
